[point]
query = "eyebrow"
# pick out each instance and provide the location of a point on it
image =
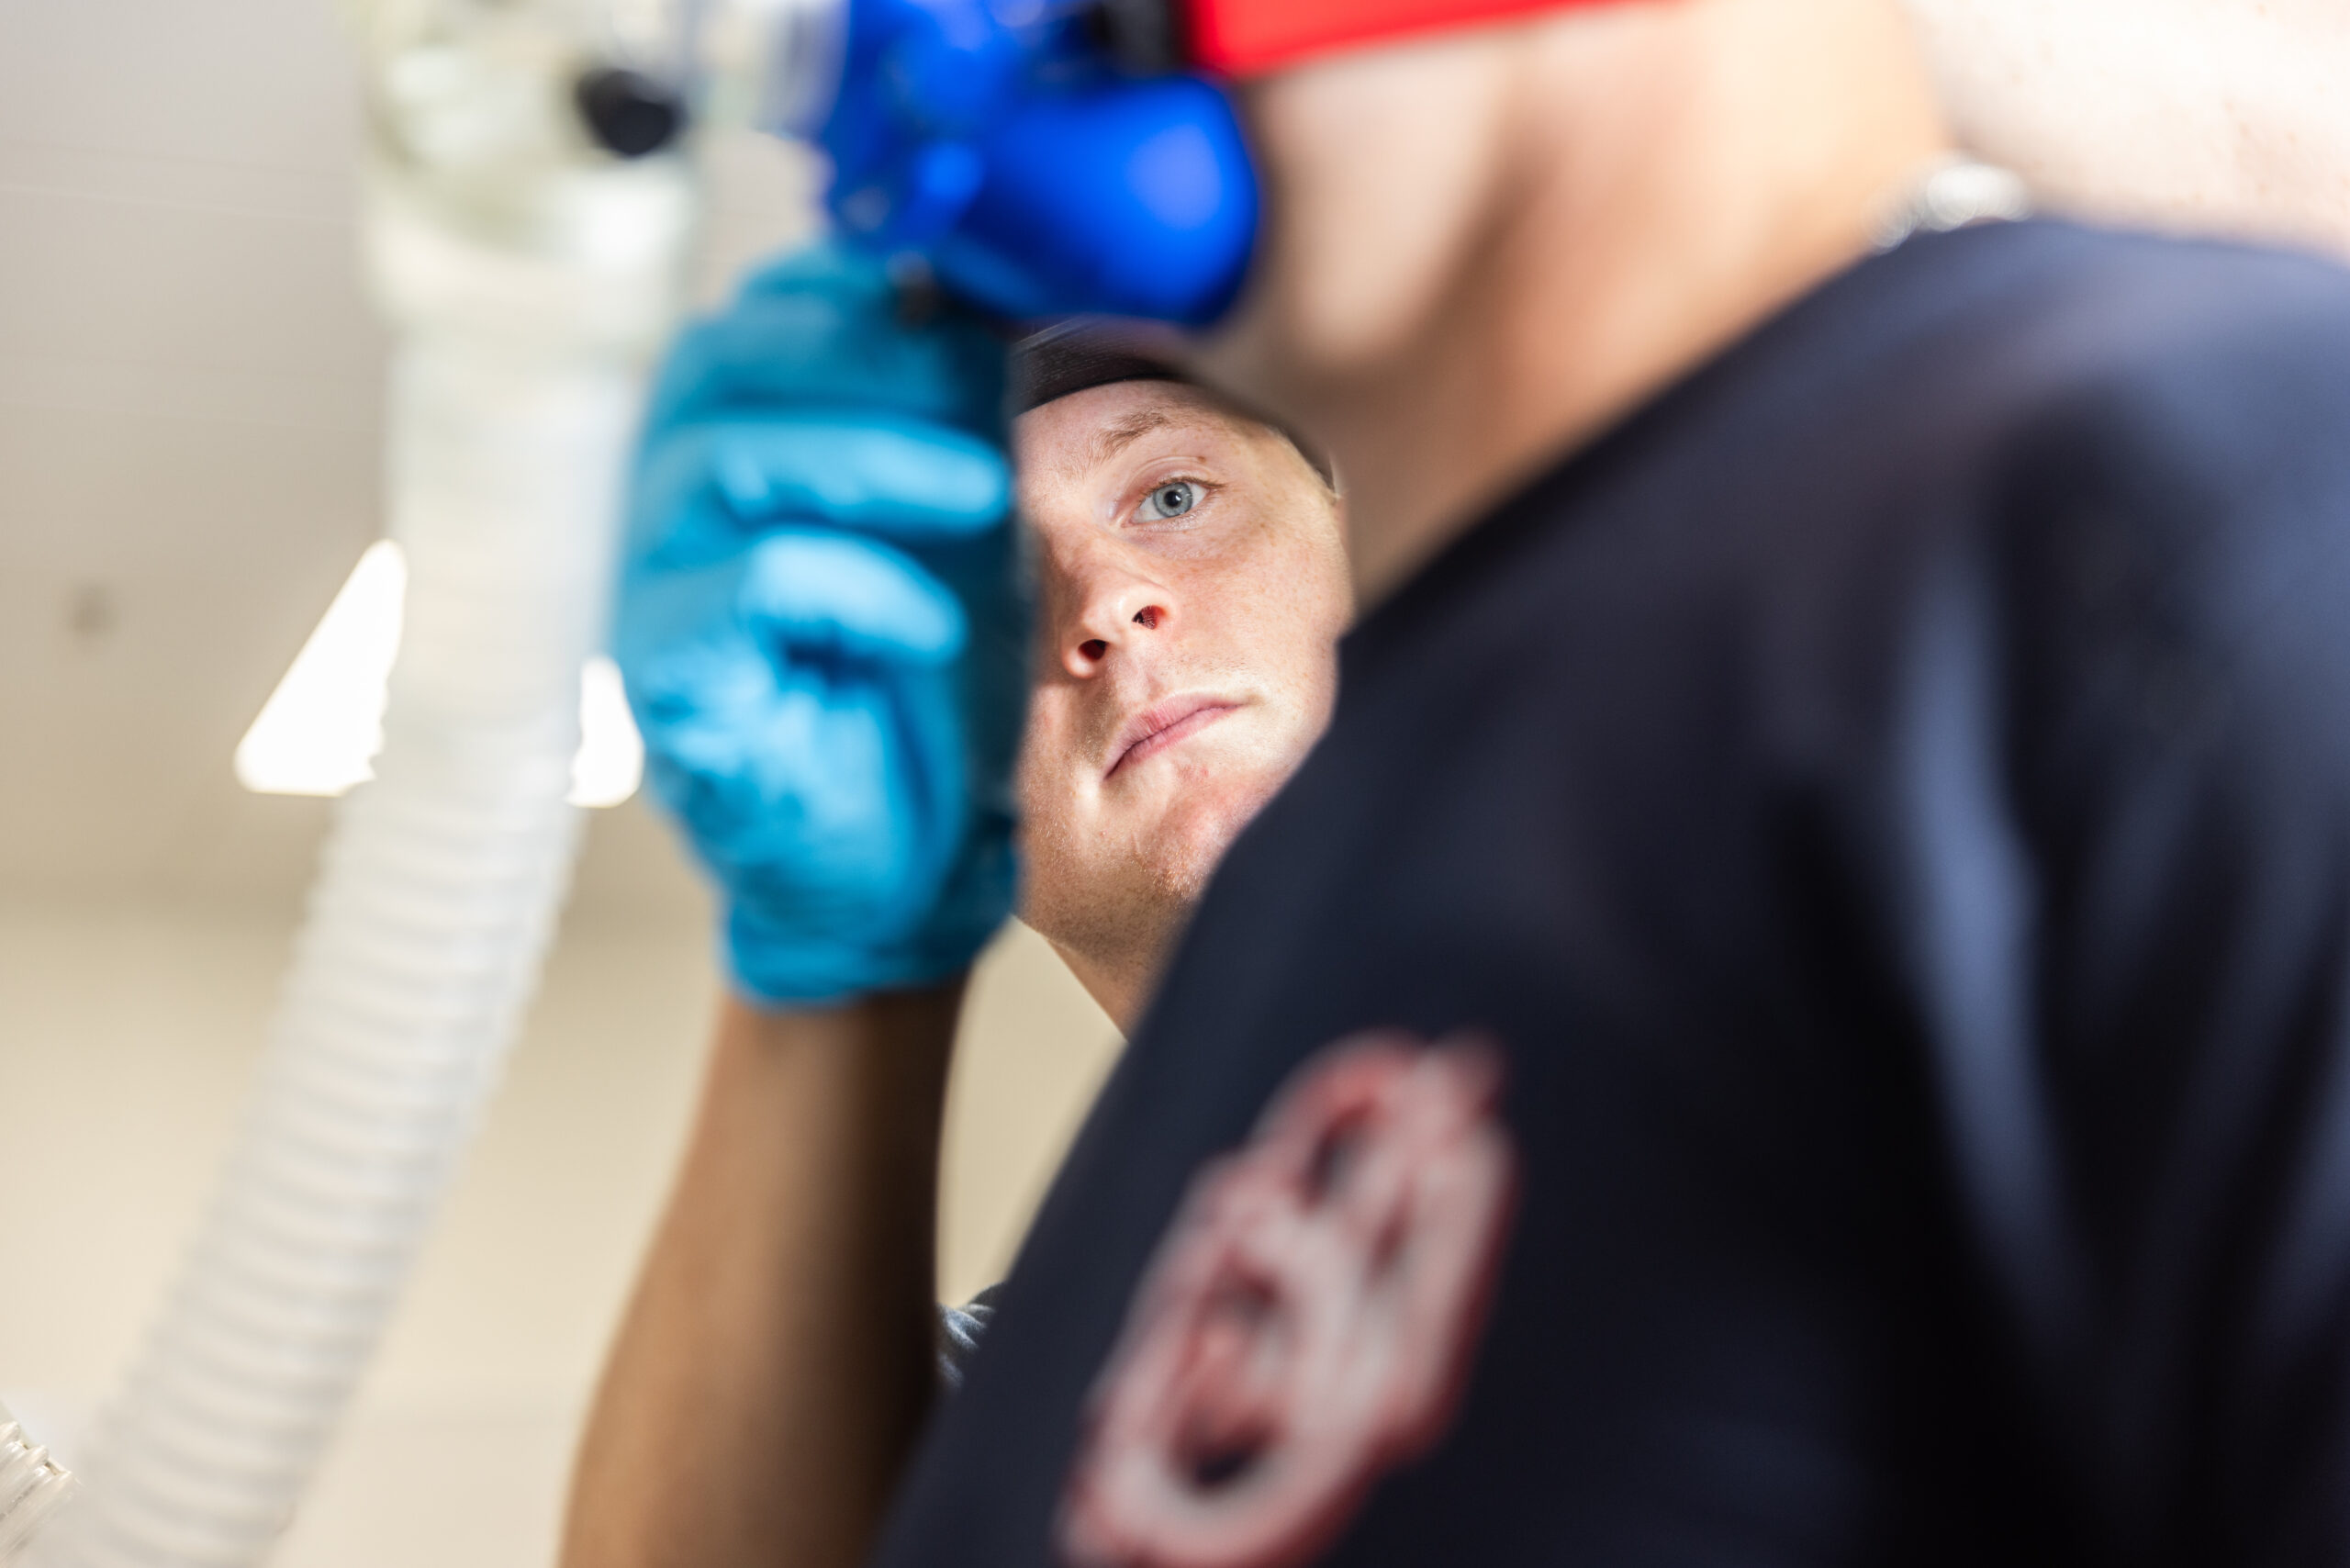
(1116, 437)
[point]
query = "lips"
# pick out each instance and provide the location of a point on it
(1162, 724)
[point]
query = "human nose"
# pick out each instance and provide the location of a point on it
(1107, 604)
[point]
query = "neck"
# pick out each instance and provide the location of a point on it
(1119, 977)
(1615, 195)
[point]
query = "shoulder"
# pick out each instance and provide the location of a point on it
(1967, 338)
(2069, 395)
(2119, 289)
(2196, 394)
(2170, 350)
(1964, 380)
(2143, 471)
(2125, 454)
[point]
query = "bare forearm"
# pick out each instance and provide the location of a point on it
(774, 1368)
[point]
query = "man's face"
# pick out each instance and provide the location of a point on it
(1193, 585)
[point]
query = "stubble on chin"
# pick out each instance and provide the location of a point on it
(1122, 896)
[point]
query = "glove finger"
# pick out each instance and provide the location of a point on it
(791, 352)
(779, 747)
(849, 598)
(820, 811)
(829, 267)
(821, 329)
(703, 650)
(903, 478)
(795, 795)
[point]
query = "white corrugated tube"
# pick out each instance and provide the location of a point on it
(32, 1486)
(529, 284)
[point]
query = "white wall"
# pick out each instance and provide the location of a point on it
(126, 1037)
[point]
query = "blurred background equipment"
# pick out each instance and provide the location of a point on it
(527, 216)
(528, 213)
(528, 276)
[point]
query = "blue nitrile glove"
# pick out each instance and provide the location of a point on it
(822, 629)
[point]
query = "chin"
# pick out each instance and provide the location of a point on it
(1134, 874)
(1200, 826)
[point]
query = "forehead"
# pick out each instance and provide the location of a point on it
(1071, 438)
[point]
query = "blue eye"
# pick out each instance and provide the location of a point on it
(1171, 499)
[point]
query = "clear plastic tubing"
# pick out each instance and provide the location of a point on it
(529, 281)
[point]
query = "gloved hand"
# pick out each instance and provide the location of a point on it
(822, 629)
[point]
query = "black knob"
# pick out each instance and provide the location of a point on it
(1144, 36)
(628, 112)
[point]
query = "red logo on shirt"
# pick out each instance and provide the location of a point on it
(1307, 1321)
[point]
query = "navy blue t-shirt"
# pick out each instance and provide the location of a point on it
(1887, 801)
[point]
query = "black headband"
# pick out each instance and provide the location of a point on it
(1076, 356)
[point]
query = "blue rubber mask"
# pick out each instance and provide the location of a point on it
(1000, 142)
